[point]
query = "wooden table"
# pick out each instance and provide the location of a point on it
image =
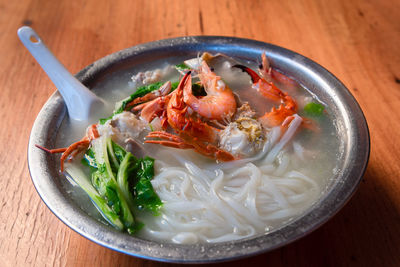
(358, 41)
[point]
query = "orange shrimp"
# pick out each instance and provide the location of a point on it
(192, 133)
(265, 69)
(218, 104)
(287, 107)
(164, 90)
(269, 74)
(154, 105)
(154, 108)
(74, 148)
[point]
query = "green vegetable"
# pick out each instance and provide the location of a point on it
(120, 182)
(118, 151)
(141, 91)
(146, 168)
(197, 89)
(145, 197)
(98, 179)
(116, 154)
(89, 160)
(113, 198)
(104, 161)
(125, 172)
(314, 109)
(101, 204)
(124, 211)
(104, 120)
(182, 67)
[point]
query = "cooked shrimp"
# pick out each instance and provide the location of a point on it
(164, 90)
(277, 115)
(218, 104)
(192, 133)
(287, 107)
(155, 104)
(76, 147)
(154, 108)
(270, 74)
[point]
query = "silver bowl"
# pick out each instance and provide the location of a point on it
(342, 105)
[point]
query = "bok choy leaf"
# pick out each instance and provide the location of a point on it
(101, 204)
(144, 195)
(121, 182)
(104, 166)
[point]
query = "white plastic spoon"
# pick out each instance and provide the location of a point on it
(80, 101)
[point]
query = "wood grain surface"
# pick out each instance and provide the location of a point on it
(358, 41)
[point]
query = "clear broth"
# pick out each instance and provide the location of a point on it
(323, 149)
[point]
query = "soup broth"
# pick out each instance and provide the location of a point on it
(209, 201)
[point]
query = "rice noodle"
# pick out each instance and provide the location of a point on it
(285, 138)
(299, 150)
(229, 203)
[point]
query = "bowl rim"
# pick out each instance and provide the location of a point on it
(48, 188)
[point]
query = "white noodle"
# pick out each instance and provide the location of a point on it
(229, 201)
(299, 150)
(225, 205)
(294, 124)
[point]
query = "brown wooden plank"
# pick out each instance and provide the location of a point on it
(357, 40)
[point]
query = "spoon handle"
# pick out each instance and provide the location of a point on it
(80, 100)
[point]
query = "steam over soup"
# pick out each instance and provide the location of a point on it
(209, 150)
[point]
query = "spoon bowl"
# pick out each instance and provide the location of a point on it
(81, 102)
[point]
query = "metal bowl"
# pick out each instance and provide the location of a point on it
(352, 126)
